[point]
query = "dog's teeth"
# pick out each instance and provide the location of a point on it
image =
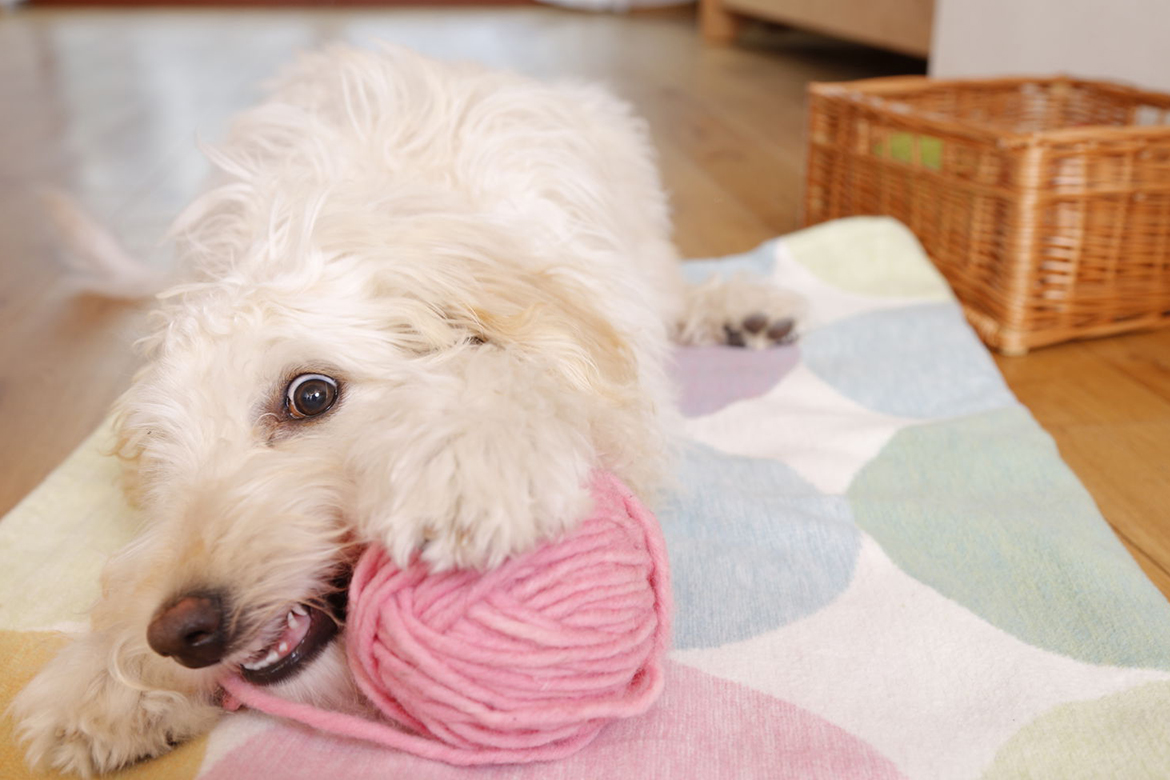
(282, 648)
(300, 610)
(292, 620)
(270, 658)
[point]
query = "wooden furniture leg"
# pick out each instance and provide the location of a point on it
(717, 23)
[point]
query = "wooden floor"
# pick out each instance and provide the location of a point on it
(107, 105)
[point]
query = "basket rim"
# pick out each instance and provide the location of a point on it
(875, 93)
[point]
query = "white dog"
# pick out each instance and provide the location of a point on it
(426, 301)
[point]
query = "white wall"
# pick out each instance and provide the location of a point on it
(1122, 40)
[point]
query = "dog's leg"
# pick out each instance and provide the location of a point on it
(83, 714)
(107, 700)
(740, 310)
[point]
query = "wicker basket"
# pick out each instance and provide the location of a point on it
(1044, 202)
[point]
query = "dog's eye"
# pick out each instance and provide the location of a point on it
(309, 395)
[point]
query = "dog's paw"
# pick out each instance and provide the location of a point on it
(75, 717)
(501, 488)
(758, 330)
(740, 311)
(499, 458)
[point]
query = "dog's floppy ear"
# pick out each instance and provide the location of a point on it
(132, 435)
(536, 312)
(128, 446)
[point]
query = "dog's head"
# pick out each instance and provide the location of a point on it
(345, 378)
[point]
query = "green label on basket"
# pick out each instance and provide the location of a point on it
(900, 147)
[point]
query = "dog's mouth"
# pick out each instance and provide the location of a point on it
(304, 633)
(300, 636)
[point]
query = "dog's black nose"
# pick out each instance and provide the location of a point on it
(191, 630)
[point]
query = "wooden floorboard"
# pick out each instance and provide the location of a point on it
(107, 104)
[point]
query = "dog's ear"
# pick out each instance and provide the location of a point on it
(550, 318)
(128, 446)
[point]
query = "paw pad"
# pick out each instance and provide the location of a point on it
(758, 331)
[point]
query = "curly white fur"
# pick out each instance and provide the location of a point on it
(484, 264)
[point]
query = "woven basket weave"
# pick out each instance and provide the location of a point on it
(1045, 202)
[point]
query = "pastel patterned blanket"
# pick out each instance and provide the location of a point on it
(882, 569)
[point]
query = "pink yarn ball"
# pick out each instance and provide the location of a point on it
(525, 662)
